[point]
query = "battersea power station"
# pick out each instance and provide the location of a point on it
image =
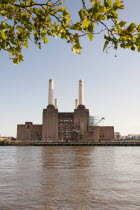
(64, 126)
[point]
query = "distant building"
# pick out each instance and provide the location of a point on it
(91, 120)
(131, 137)
(117, 135)
(4, 138)
(56, 126)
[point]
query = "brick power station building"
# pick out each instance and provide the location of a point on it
(64, 126)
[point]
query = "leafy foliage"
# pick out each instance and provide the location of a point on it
(25, 20)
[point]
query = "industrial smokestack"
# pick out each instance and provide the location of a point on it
(81, 92)
(51, 92)
(56, 103)
(76, 103)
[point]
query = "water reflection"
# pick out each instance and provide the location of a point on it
(69, 178)
(67, 186)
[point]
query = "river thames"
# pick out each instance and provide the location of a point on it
(69, 178)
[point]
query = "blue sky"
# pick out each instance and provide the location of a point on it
(112, 84)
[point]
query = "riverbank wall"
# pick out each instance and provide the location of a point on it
(101, 143)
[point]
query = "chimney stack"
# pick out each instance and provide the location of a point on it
(81, 92)
(76, 103)
(51, 92)
(56, 103)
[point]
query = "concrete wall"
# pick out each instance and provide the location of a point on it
(81, 120)
(107, 132)
(97, 133)
(50, 124)
(94, 133)
(29, 132)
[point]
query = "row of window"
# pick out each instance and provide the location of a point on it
(102, 136)
(66, 116)
(66, 126)
(65, 120)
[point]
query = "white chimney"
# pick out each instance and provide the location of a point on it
(51, 92)
(56, 103)
(76, 103)
(81, 92)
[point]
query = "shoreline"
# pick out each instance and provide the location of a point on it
(102, 143)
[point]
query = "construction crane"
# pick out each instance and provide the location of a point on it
(97, 123)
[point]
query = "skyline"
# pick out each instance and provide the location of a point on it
(111, 83)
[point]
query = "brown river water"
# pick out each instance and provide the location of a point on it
(69, 178)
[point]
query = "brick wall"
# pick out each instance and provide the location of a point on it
(29, 132)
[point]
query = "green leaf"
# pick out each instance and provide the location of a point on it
(102, 9)
(25, 45)
(45, 40)
(118, 5)
(138, 28)
(108, 38)
(85, 22)
(3, 34)
(117, 1)
(36, 23)
(105, 45)
(90, 28)
(81, 14)
(76, 49)
(122, 45)
(122, 23)
(138, 48)
(109, 2)
(132, 27)
(133, 48)
(65, 12)
(101, 17)
(90, 36)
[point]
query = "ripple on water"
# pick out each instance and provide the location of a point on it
(68, 178)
